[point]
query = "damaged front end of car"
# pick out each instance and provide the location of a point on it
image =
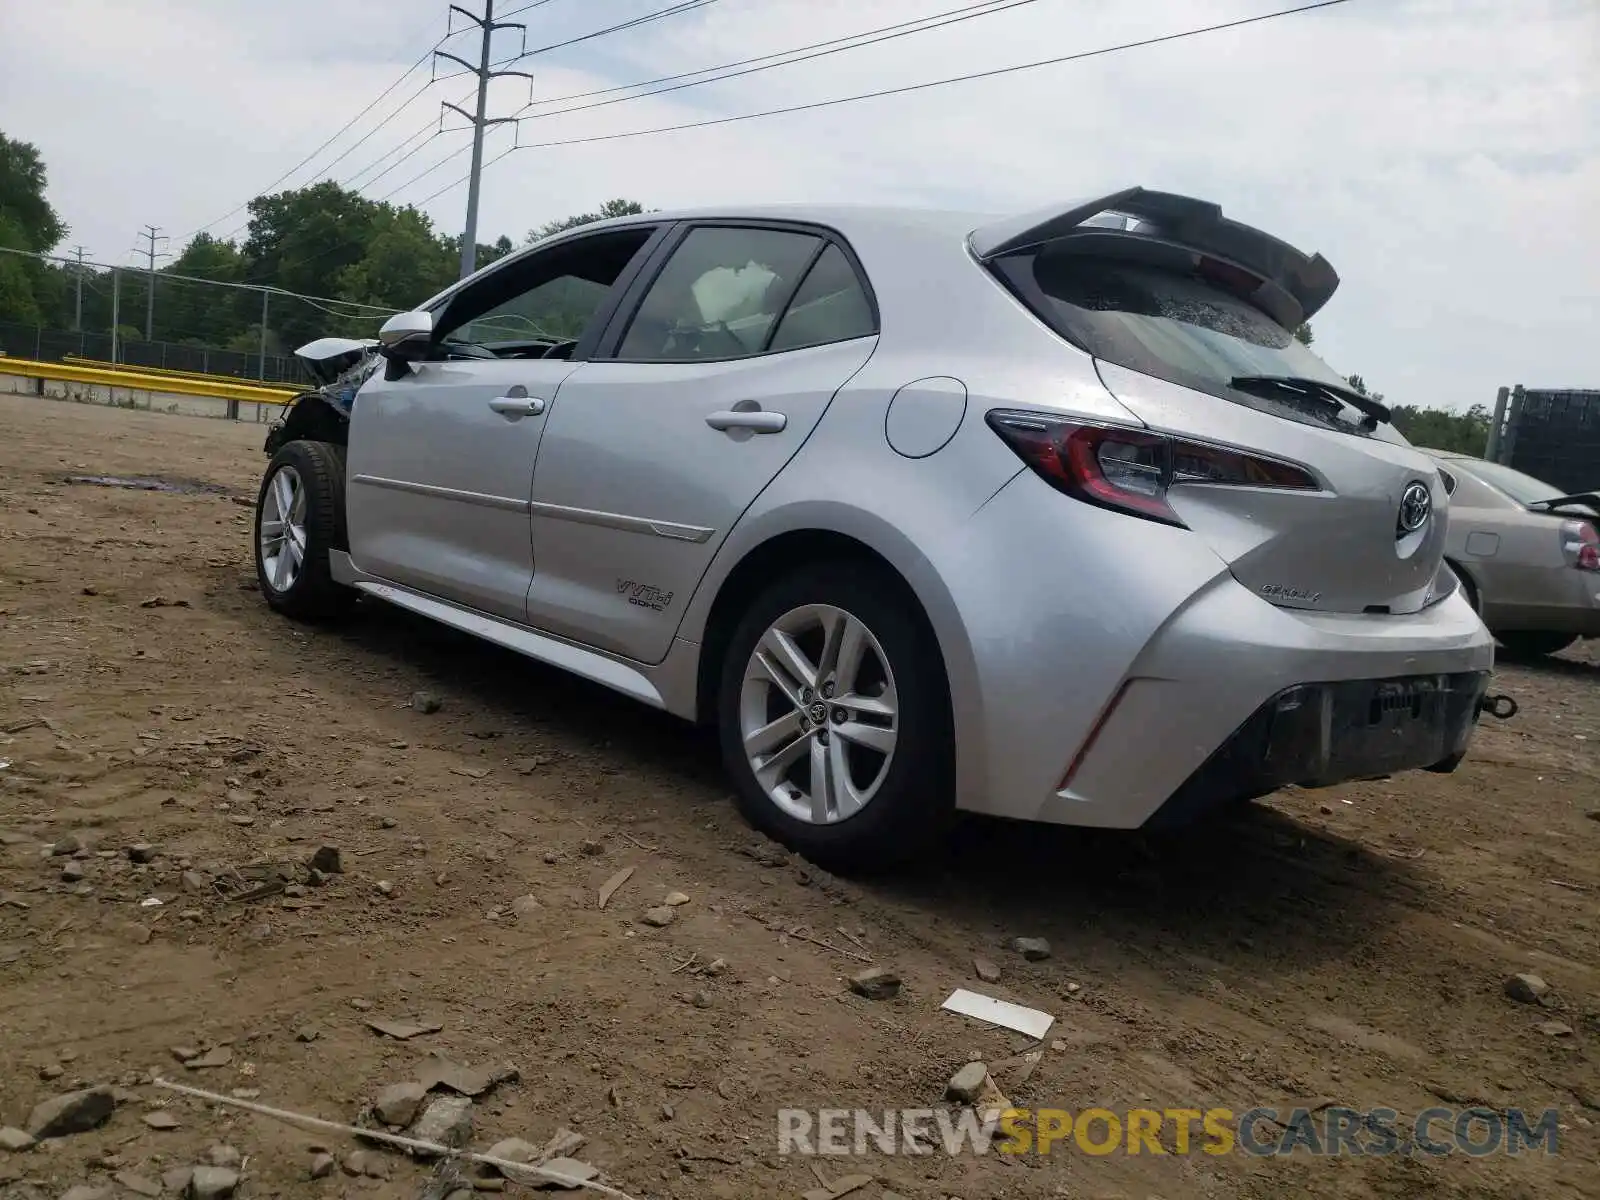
(339, 366)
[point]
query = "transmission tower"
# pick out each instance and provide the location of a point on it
(152, 234)
(479, 121)
(77, 313)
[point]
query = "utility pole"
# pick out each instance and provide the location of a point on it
(152, 234)
(116, 310)
(77, 315)
(480, 122)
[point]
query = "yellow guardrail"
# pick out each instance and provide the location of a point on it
(171, 373)
(144, 381)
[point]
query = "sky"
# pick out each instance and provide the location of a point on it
(1444, 155)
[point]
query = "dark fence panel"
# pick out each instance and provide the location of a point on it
(1554, 435)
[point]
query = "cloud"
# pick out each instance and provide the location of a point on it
(1444, 154)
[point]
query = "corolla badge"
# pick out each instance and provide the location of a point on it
(1282, 591)
(1416, 506)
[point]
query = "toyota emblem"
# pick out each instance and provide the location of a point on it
(1416, 506)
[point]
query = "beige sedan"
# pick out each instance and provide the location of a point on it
(1528, 556)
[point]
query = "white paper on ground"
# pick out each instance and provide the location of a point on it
(999, 1012)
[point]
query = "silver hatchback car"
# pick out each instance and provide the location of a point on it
(1048, 517)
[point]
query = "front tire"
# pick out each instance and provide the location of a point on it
(834, 718)
(299, 518)
(1534, 643)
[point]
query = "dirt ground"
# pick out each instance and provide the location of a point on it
(1346, 947)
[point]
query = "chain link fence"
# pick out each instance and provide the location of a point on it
(59, 345)
(174, 322)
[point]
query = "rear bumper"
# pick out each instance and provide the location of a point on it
(1235, 698)
(1315, 735)
(1097, 662)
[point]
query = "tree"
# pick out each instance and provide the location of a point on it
(403, 264)
(28, 287)
(24, 210)
(1358, 384)
(611, 208)
(1441, 429)
(194, 312)
(1303, 334)
(498, 249)
(302, 240)
(323, 241)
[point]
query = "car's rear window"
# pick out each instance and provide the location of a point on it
(1524, 489)
(1185, 329)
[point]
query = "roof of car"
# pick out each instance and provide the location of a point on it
(824, 213)
(838, 216)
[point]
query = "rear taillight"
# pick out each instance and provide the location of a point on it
(1132, 470)
(1581, 544)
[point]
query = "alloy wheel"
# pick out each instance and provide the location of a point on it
(283, 529)
(819, 714)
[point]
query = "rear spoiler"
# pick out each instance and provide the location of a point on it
(1295, 285)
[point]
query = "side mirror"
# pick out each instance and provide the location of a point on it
(407, 334)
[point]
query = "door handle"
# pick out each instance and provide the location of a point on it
(517, 406)
(756, 421)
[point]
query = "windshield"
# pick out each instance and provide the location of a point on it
(1524, 489)
(1179, 327)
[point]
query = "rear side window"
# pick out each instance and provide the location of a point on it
(719, 295)
(831, 306)
(1181, 327)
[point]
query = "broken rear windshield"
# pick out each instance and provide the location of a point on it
(1181, 328)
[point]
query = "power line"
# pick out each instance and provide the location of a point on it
(452, 156)
(427, 133)
(433, 129)
(404, 75)
(798, 55)
(672, 10)
(527, 7)
(628, 87)
(949, 16)
(933, 83)
(902, 90)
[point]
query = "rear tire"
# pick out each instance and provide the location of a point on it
(299, 519)
(834, 718)
(1534, 643)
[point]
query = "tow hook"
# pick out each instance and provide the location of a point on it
(1501, 707)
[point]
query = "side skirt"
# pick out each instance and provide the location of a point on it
(588, 664)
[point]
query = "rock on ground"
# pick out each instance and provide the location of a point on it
(1032, 949)
(1526, 989)
(398, 1103)
(446, 1121)
(511, 1150)
(14, 1139)
(212, 1183)
(876, 983)
(966, 1084)
(75, 1112)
